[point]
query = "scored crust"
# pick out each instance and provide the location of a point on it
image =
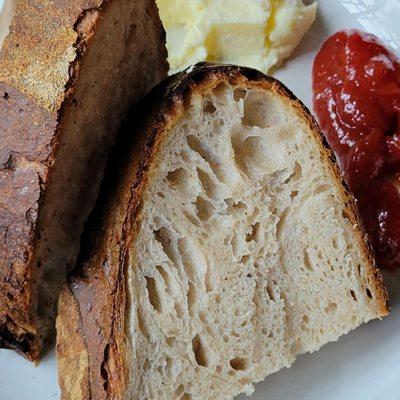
(98, 286)
(40, 66)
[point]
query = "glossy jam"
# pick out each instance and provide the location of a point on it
(356, 85)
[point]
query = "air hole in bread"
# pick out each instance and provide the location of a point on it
(152, 290)
(179, 310)
(260, 110)
(205, 209)
(200, 352)
(217, 125)
(191, 297)
(185, 156)
(208, 184)
(239, 94)
(369, 294)
(209, 107)
(252, 236)
(192, 218)
(171, 341)
(353, 294)
(264, 331)
(323, 188)
(193, 260)
(208, 280)
(307, 260)
(270, 292)
(169, 362)
(235, 243)
(220, 90)
(206, 154)
(177, 176)
(330, 308)
(164, 275)
(237, 153)
(164, 237)
(141, 324)
(248, 153)
(245, 259)
(297, 173)
(239, 364)
(294, 193)
(180, 389)
(235, 207)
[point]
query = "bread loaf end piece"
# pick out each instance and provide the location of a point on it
(68, 72)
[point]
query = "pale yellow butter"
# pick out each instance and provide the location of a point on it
(253, 33)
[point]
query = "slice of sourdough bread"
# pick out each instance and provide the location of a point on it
(68, 72)
(223, 246)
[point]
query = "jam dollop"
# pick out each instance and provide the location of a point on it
(356, 87)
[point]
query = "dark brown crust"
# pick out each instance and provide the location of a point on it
(29, 140)
(25, 133)
(98, 284)
(31, 118)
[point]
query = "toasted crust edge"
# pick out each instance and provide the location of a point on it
(163, 107)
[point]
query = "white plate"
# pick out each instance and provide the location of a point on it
(363, 365)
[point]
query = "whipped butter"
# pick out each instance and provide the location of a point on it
(253, 33)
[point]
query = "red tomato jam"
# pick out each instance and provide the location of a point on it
(356, 85)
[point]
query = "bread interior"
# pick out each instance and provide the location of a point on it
(243, 255)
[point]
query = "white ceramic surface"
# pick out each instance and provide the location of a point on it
(364, 365)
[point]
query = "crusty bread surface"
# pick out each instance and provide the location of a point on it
(223, 246)
(68, 71)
